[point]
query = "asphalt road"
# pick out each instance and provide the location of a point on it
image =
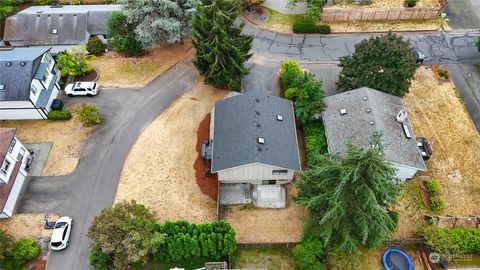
(92, 186)
(463, 14)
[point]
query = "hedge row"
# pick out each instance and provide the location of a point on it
(59, 115)
(311, 27)
(315, 141)
(185, 241)
(452, 241)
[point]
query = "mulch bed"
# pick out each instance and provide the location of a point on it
(87, 77)
(256, 16)
(208, 184)
(37, 264)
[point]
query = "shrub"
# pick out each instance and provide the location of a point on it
(290, 73)
(432, 187)
(96, 46)
(292, 94)
(478, 44)
(87, 114)
(452, 241)
(109, 2)
(73, 63)
(436, 204)
(42, 2)
(315, 141)
(324, 29)
(411, 3)
(59, 115)
(305, 27)
(98, 259)
(7, 245)
(395, 217)
(26, 250)
(307, 255)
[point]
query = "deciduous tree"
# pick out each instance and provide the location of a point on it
(347, 197)
(121, 35)
(7, 7)
(221, 48)
(74, 63)
(386, 63)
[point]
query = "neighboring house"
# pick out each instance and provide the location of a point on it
(253, 141)
(12, 171)
(28, 83)
(358, 114)
(57, 25)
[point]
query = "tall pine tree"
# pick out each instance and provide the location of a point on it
(221, 47)
(347, 198)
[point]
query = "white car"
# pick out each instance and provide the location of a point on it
(61, 233)
(82, 89)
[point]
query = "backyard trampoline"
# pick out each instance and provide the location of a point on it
(396, 259)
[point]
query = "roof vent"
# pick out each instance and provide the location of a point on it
(365, 98)
(259, 149)
(372, 123)
(22, 64)
(401, 116)
(55, 31)
(56, 6)
(257, 100)
(257, 112)
(40, 11)
(406, 131)
(368, 110)
(8, 64)
(261, 140)
(343, 111)
(258, 125)
(279, 118)
(2, 87)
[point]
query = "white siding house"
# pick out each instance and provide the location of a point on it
(28, 83)
(12, 171)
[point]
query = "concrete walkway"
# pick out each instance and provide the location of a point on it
(281, 6)
(92, 186)
(463, 14)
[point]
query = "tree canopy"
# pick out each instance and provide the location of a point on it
(347, 198)
(121, 35)
(478, 43)
(126, 233)
(159, 20)
(221, 48)
(74, 63)
(7, 7)
(386, 63)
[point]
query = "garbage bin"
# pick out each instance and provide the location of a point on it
(57, 105)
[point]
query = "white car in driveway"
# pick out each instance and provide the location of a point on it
(61, 233)
(82, 89)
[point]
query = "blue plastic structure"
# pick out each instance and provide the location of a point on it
(396, 259)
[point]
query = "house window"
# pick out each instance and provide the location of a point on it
(21, 154)
(12, 145)
(33, 89)
(45, 76)
(279, 172)
(269, 182)
(5, 166)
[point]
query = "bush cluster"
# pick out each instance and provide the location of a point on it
(95, 46)
(307, 255)
(433, 190)
(14, 255)
(87, 114)
(433, 187)
(98, 259)
(186, 241)
(42, 2)
(436, 204)
(59, 115)
(452, 241)
(311, 27)
(411, 3)
(315, 142)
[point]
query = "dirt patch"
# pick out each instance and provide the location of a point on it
(159, 169)
(37, 264)
(67, 138)
(386, 4)
(382, 26)
(437, 113)
(260, 225)
(89, 76)
(208, 184)
(26, 225)
(117, 70)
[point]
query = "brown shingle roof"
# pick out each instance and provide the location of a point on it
(6, 137)
(7, 188)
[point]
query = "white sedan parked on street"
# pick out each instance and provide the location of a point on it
(61, 233)
(82, 89)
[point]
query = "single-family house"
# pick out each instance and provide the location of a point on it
(57, 25)
(253, 141)
(28, 83)
(12, 171)
(359, 114)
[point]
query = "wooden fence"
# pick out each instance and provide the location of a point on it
(332, 14)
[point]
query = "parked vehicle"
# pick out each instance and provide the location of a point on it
(420, 57)
(82, 89)
(61, 233)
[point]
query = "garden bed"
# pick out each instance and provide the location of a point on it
(263, 257)
(87, 77)
(384, 4)
(208, 184)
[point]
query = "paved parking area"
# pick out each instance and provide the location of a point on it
(41, 151)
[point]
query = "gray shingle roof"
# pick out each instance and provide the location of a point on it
(45, 94)
(17, 78)
(358, 125)
(238, 123)
(74, 24)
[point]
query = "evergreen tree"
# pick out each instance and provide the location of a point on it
(121, 35)
(347, 198)
(221, 48)
(386, 63)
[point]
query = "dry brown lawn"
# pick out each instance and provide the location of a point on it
(117, 70)
(26, 225)
(67, 138)
(386, 4)
(396, 25)
(261, 225)
(159, 170)
(437, 113)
